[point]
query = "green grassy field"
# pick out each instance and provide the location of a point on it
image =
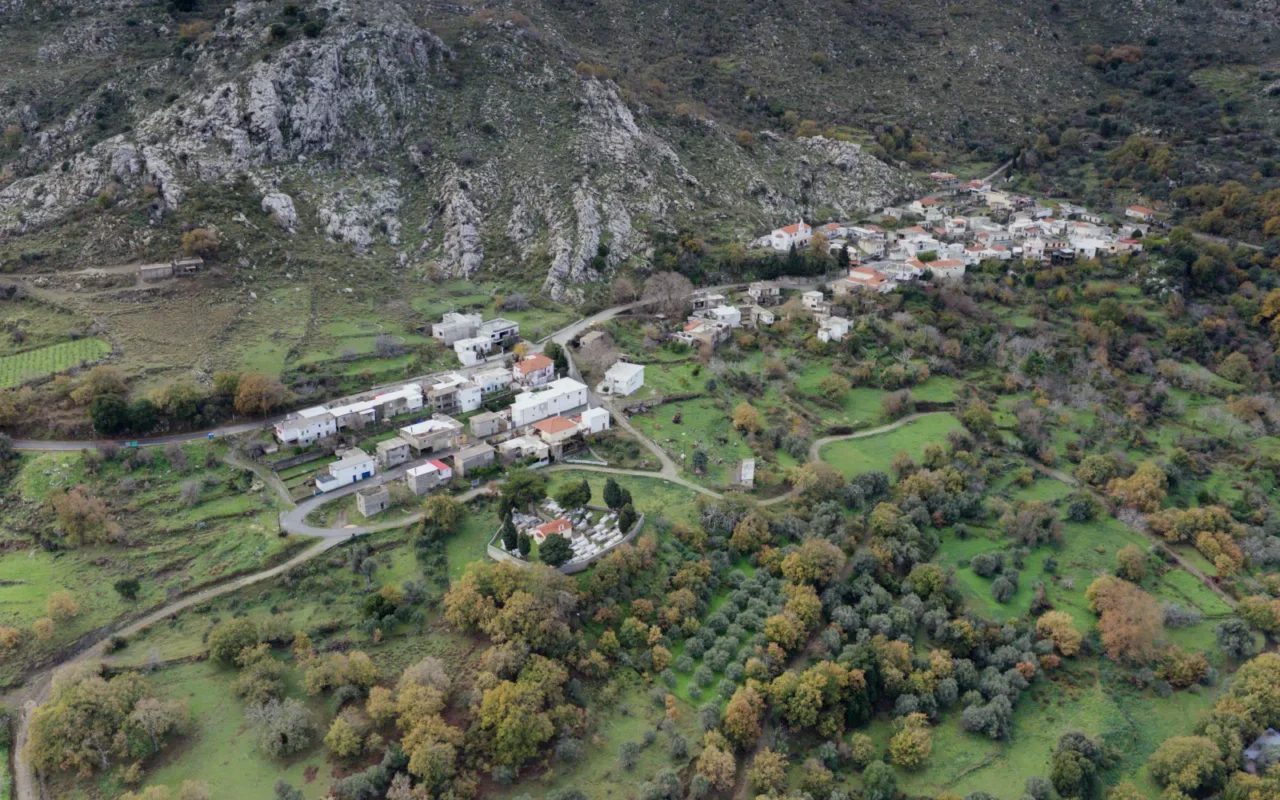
(220, 751)
(853, 456)
(654, 497)
(29, 365)
(703, 425)
(173, 547)
(1078, 697)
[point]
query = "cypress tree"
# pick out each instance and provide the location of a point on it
(509, 536)
(626, 519)
(612, 494)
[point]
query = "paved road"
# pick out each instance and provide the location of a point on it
(1208, 237)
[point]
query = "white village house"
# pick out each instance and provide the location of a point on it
(353, 465)
(557, 397)
(623, 378)
(797, 235)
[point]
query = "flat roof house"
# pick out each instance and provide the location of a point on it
(594, 420)
(524, 447)
(473, 458)
(705, 299)
(353, 465)
(453, 394)
(765, 293)
(729, 314)
(392, 452)
(623, 378)
(499, 331)
(496, 379)
(425, 477)
(472, 350)
(405, 400)
(454, 326)
(487, 423)
(555, 398)
(441, 432)
(833, 329)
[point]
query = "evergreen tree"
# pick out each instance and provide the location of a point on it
(612, 494)
(626, 518)
(555, 352)
(509, 536)
(555, 550)
(525, 544)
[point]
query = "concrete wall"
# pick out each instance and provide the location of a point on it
(498, 554)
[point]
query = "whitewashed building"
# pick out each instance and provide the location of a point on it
(306, 426)
(623, 378)
(594, 420)
(797, 235)
(353, 465)
(454, 326)
(833, 329)
(555, 398)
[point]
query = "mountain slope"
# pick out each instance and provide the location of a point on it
(552, 138)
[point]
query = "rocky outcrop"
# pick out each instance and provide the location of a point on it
(378, 129)
(358, 215)
(280, 207)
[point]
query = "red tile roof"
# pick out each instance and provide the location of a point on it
(533, 363)
(554, 425)
(561, 525)
(440, 465)
(1141, 210)
(793, 229)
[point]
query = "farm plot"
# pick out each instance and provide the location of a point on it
(18, 369)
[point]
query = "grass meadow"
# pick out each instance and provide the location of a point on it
(853, 456)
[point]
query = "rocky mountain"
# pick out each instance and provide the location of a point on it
(554, 137)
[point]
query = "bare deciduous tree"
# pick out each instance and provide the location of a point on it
(668, 293)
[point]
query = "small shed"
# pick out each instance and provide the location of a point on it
(155, 272)
(373, 500)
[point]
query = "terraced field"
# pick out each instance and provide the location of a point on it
(21, 368)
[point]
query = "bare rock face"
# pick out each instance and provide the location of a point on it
(377, 132)
(358, 215)
(280, 207)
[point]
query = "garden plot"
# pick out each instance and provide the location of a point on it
(43, 362)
